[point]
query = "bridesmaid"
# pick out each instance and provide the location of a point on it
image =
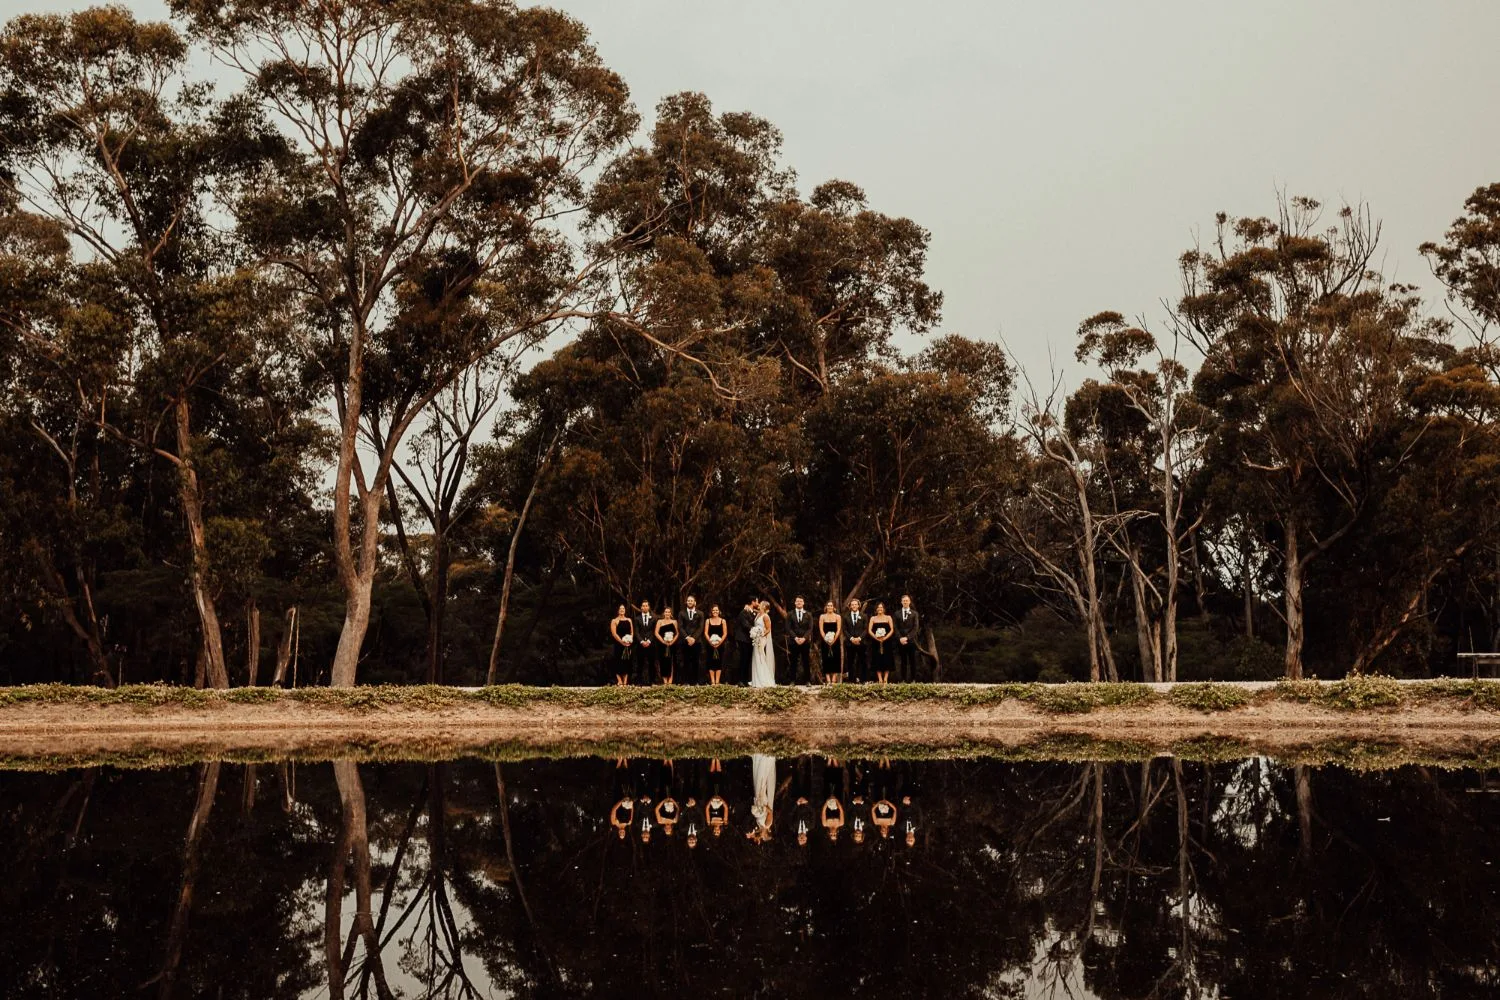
(666, 637)
(622, 637)
(715, 631)
(831, 629)
(882, 629)
(622, 816)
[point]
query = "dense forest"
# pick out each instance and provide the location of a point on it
(386, 341)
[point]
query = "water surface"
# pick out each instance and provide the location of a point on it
(982, 879)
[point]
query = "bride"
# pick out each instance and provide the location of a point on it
(763, 659)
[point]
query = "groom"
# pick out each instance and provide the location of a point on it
(742, 626)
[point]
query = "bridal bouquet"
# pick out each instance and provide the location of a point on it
(758, 632)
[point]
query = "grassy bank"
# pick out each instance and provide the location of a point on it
(1351, 695)
(1356, 754)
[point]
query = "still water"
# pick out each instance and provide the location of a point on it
(799, 877)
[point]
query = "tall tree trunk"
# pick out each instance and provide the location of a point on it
(192, 509)
(1304, 810)
(1168, 627)
(1147, 633)
(510, 561)
(1101, 656)
(252, 642)
(932, 652)
(200, 664)
(1200, 586)
(284, 647)
(353, 844)
(515, 875)
(438, 602)
(1249, 588)
(352, 635)
(356, 565)
(208, 786)
(1294, 626)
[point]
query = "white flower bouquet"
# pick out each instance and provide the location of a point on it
(758, 632)
(880, 632)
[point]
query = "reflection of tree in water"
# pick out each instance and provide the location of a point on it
(96, 867)
(1165, 879)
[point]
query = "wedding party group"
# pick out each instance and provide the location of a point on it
(831, 648)
(872, 800)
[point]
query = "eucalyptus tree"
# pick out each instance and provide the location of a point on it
(1305, 352)
(1467, 262)
(904, 460)
(435, 145)
(1150, 441)
(110, 137)
(64, 368)
(1056, 519)
(848, 279)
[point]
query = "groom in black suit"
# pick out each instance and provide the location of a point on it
(742, 626)
(856, 657)
(799, 628)
(690, 645)
(908, 627)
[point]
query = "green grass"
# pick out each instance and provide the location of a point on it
(1370, 693)
(1353, 754)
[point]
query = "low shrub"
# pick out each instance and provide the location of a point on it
(1208, 697)
(1373, 691)
(1071, 699)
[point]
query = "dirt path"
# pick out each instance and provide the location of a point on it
(62, 734)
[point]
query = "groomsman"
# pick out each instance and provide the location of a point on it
(647, 653)
(742, 626)
(799, 630)
(908, 626)
(690, 642)
(855, 655)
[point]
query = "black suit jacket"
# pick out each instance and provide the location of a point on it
(909, 626)
(802, 629)
(644, 630)
(743, 624)
(860, 628)
(691, 624)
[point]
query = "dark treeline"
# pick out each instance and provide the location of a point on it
(272, 406)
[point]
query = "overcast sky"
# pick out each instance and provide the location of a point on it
(1063, 153)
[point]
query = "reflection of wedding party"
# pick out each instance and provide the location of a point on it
(869, 799)
(857, 645)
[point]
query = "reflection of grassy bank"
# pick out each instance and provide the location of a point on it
(1352, 694)
(1349, 753)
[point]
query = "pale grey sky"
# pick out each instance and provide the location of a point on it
(1063, 153)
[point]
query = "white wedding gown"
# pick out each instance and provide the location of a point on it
(762, 658)
(763, 778)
